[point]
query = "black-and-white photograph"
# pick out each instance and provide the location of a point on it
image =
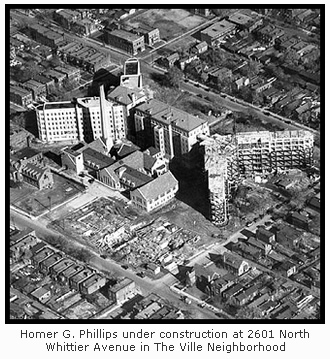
(165, 164)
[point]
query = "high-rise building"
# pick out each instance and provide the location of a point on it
(231, 157)
(85, 119)
(172, 131)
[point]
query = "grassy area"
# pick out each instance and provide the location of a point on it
(170, 22)
(30, 200)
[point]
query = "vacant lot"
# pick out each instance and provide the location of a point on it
(170, 22)
(30, 200)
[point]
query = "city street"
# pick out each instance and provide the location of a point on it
(146, 285)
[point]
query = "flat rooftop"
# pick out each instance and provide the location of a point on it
(166, 114)
(125, 35)
(58, 105)
(218, 29)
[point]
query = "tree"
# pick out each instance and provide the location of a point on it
(173, 77)
(246, 312)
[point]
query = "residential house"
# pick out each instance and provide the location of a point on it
(69, 272)
(259, 85)
(288, 237)
(77, 279)
(171, 59)
(201, 47)
(246, 296)
(42, 255)
(220, 284)
(122, 290)
(46, 265)
(247, 251)
(151, 34)
(264, 235)
(314, 203)
(61, 266)
(219, 75)
(153, 269)
(286, 268)
(242, 82)
(38, 89)
(187, 58)
(234, 264)
(232, 291)
(42, 294)
(20, 96)
(92, 284)
(263, 246)
(298, 220)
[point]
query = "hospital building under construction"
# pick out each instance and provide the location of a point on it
(229, 158)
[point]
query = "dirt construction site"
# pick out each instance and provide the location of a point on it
(116, 231)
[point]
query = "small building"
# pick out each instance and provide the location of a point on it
(298, 220)
(171, 59)
(92, 284)
(288, 237)
(265, 236)
(287, 268)
(69, 272)
(232, 291)
(122, 290)
(20, 96)
(37, 175)
(314, 203)
(156, 193)
(220, 74)
(95, 161)
(42, 255)
(234, 264)
(38, 89)
(60, 266)
(151, 34)
(72, 160)
(263, 246)
(153, 268)
(76, 280)
(47, 264)
(71, 73)
(202, 47)
(42, 294)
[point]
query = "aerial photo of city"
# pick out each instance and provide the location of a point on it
(165, 164)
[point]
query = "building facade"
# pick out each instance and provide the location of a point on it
(228, 158)
(126, 41)
(155, 193)
(171, 131)
(85, 119)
